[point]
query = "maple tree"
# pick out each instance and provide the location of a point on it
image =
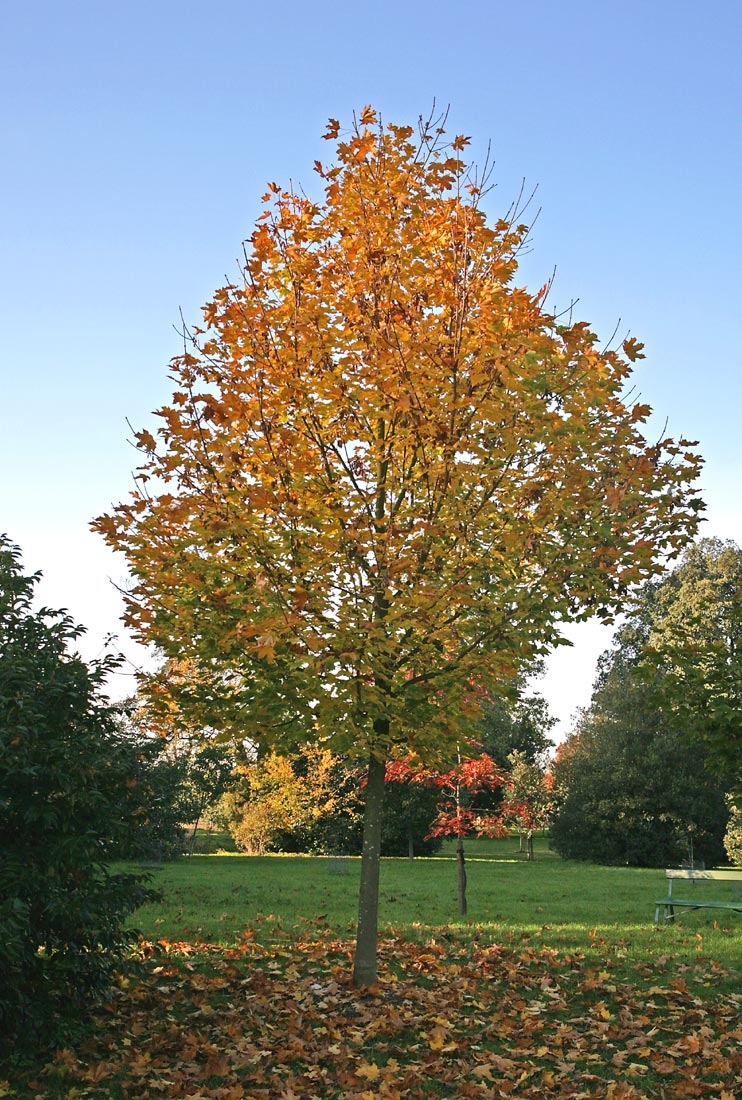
(457, 815)
(388, 473)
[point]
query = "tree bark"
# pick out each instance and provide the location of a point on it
(461, 876)
(364, 968)
(192, 845)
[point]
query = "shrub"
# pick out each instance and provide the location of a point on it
(733, 836)
(63, 812)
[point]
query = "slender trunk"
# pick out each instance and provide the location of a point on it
(461, 876)
(410, 846)
(364, 968)
(530, 845)
(460, 868)
(192, 845)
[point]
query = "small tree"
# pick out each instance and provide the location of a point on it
(529, 798)
(388, 472)
(456, 812)
(65, 809)
(277, 796)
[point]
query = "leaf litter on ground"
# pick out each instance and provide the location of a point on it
(448, 1019)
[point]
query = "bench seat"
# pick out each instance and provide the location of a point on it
(694, 877)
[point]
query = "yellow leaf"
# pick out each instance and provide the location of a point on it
(368, 1070)
(437, 1038)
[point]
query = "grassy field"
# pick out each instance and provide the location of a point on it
(556, 984)
(552, 902)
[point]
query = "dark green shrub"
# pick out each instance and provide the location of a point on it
(64, 810)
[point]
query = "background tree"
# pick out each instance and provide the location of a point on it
(279, 799)
(519, 725)
(65, 809)
(630, 789)
(209, 773)
(733, 835)
(528, 797)
(152, 798)
(695, 644)
(387, 473)
(409, 812)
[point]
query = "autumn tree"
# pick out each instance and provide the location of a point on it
(529, 797)
(388, 473)
(457, 813)
(278, 795)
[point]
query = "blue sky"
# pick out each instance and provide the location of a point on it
(137, 138)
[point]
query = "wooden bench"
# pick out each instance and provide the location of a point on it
(697, 877)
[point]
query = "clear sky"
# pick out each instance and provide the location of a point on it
(136, 139)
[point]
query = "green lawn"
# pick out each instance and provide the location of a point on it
(557, 984)
(549, 902)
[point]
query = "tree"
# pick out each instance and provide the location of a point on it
(153, 793)
(457, 814)
(695, 644)
(279, 796)
(209, 774)
(529, 797)
(387, 473)
(733, 835)
(65, 809)
(521, 726)
(630, 790)
(409, 812)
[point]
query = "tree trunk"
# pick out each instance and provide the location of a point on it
(530, 845)
(410, 846)
(461, 876)
(192, 845)
(364, 969)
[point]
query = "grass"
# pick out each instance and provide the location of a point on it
(556, 984)
(553, 903)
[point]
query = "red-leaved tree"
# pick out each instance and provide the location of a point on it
(457, 814)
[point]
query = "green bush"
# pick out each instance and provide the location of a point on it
(733, 836)
(64, 809)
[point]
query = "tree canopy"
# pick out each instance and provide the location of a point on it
(630, 790)
(645, 773)
(388, 472)
(694, 650)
